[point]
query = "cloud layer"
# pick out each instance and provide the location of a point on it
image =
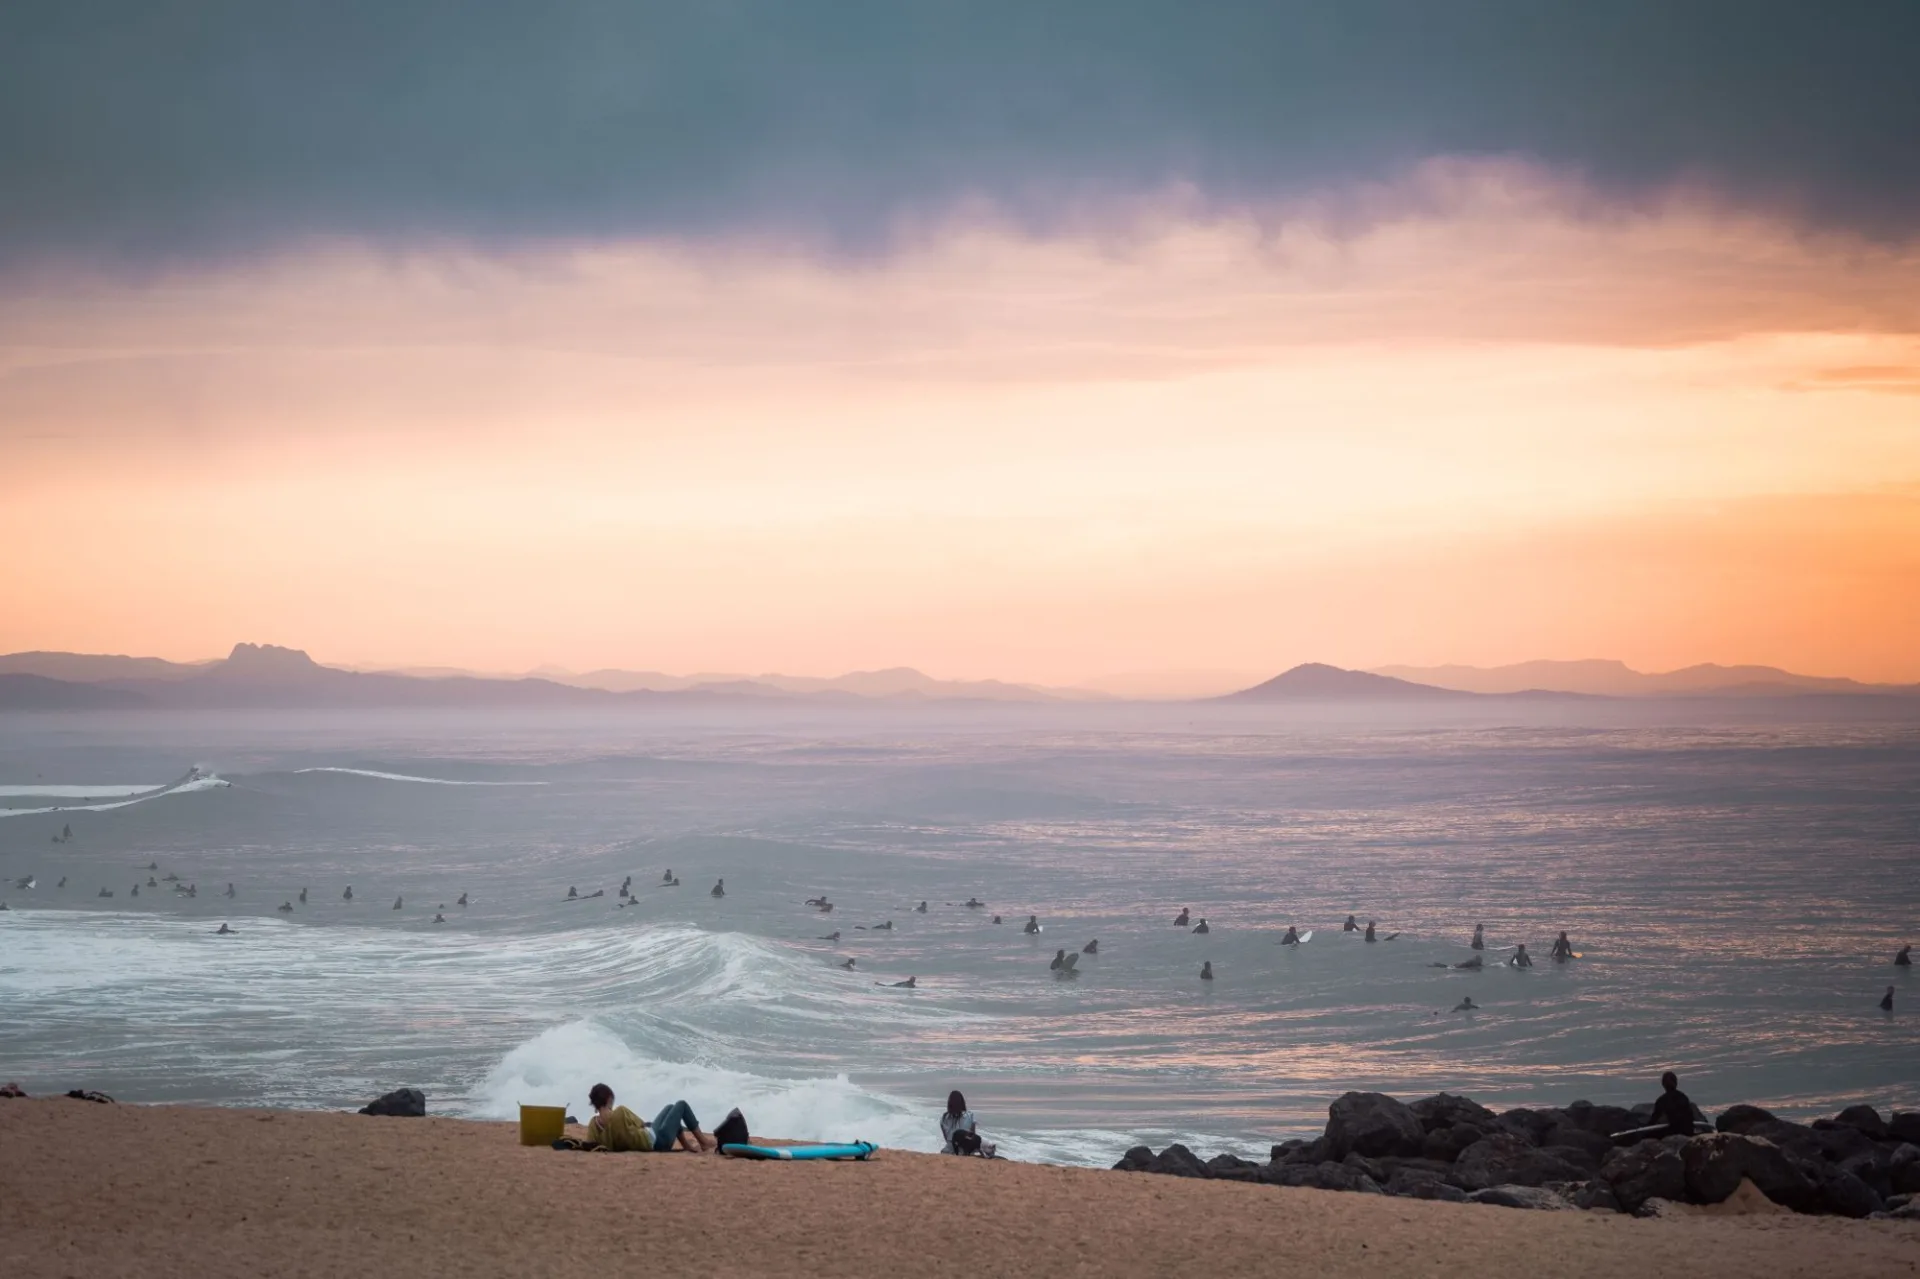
(143, 128)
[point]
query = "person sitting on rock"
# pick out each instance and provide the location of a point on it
(959, 1131)
(1674, 1108)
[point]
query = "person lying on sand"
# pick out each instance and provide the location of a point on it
(618, 1128)
(959, 1130)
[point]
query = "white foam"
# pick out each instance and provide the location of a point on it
(405, 777)
(196, 781)
(558, 1066)
(102, 790)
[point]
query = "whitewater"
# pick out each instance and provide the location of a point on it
(1737, 892)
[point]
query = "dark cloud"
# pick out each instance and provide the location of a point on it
(154, 127)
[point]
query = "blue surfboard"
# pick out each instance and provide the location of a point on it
(847, 1150)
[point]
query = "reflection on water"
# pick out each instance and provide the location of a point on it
(1737, 895)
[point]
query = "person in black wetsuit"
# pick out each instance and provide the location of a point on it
(1905, 958)
(1675, 1108)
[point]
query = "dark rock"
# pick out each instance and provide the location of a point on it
(1717, 1162)
(1372, 1124)
(1648, 1170)
(1502, 1159)
(1531, 1126)
(1593, 1194)
(1520, 1197)
(1595, 1144)
(1177, 1161)
(1840, 1141)
(1601, 1121)
(1286, 1148)
(1903, 1169)
(1233, 1168)
(1327, 1176)
(1875, 1168)
(1362, 1164)
(1866, 1119)
(1415, 1183)
(1845, 1195)
(1138, 1159)
(1317, 1151)
(1444, 1110)
(1445, 1144)
(1905, 1126)
(1414, 1164)
(408, 1103)
(1658, 1207)
(1905, 1212)
(1741, 1118)
(1828, 1144)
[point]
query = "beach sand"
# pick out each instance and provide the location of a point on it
(90, 1190)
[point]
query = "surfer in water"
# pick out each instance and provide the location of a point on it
(1033, 925)
(1182, 918)
(461, 900)
(439, 918)
(285, 908)
(996, 919)
(832, 936)
(1886, 1001)
(1466, 1006)
(1369, 934)
(909, 984)
(398, 903)
(1091, 948)
(1520, 958)
(719, 888)
(572, 892)
(151, 883)
(1351, 926)
(847, 964)
(303, 897)
(1905, 958)
(921, 909)
(1479, 941)
(1562, 949)
(230, 892)
(1059, 960)
(974, 903)
(1292, 938)
(1201, 927)
(1206, 971)
(348, 895)
(1674, 1108)
(223, 931)
(1473, 963)
(134, 891)
(668, 877)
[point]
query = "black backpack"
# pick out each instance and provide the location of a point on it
(732, 1130)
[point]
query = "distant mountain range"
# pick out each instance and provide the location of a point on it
(264, 675)
(268, 675)
(1599, 678)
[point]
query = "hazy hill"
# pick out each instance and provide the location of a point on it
(1318, 681)
(1617, 679)
(95, 668)
(23, 692)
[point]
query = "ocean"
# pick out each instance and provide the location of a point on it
(1736, 885)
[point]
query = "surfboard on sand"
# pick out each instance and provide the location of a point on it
(846, 1150)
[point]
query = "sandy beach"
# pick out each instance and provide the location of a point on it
(89, 1190)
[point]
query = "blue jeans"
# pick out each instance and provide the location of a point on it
(667, 1126)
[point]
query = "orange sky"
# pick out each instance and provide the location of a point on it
(1492, 421)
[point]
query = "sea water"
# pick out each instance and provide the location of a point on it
(1737, 891)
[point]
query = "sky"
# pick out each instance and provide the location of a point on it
(1069, 342)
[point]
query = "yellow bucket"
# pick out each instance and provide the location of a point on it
(542, 1125)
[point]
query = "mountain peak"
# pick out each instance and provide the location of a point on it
(1319, 680)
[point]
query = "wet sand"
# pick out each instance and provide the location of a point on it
(90, 1190)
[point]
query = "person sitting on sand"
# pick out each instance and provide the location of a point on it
(1674, 1108)
(959, 1131)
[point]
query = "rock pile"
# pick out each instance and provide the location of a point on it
(1856, 1164)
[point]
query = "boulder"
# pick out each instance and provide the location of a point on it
(1445, 1144)
(1593, 1194)
(1372, 1124)
(1531, 1126)
(1370, 1167)
(1502, 1159)
(1741, 1118)
(1875, 1168)
(1328, 1176)
(1444, 1110)
(1602, 1121)
(1648, 1170)
(1285, 1148)
(1317, 1151)
(1592, 1143)
(1716, 1163)
(1905, 1126)
(1866, 1119)
(408, 1103)
(1177, 1161)
(1903, 1169)
(1520, 1197)
(1414, 1183)
(1840, 1141)
(1138, 1159)
(1829, 1144)
(1845, 1195)
(1906, 1212)
(1233, 1168)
